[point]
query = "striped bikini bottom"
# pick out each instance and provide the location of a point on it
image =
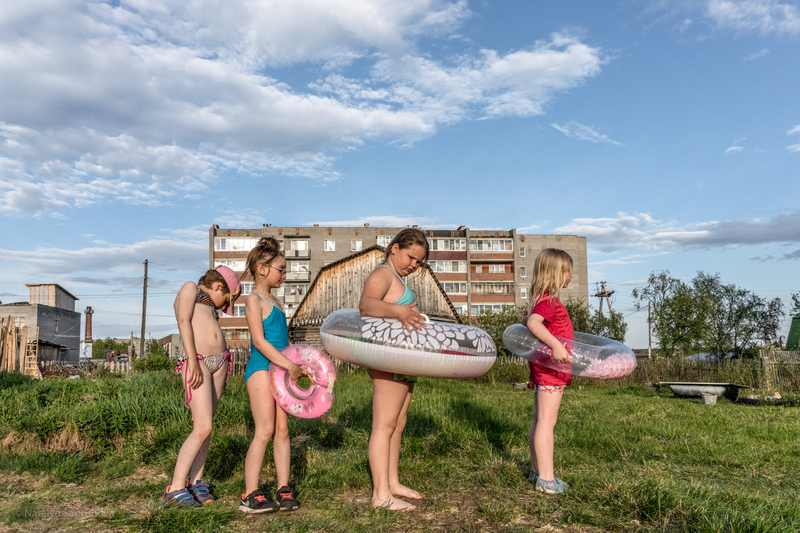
(213, 362)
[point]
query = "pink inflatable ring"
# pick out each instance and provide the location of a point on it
(304, 403)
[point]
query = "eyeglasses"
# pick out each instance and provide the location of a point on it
(281, 270)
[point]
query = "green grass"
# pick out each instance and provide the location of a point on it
(637, 460)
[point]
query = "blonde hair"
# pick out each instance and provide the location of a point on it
(548, 275)
(406, 239)
(264, 252)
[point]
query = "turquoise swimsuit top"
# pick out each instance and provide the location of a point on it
(408, 296)
(276, 333)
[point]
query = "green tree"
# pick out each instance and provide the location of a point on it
(101, 346)
(612, 326)
(495, 323)
(659, 293)
(579, 314)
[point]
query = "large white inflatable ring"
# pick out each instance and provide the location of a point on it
(439, 350)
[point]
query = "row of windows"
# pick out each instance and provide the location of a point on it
(448, 266)
(491, 245)
(246, 244)
(447, 245)
(492, 288)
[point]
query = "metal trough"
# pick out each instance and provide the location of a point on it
(688, 389)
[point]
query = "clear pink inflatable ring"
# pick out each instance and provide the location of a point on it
(590, 356)
(304, 403)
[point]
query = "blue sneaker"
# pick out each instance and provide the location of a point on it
(554, 486)
(178, 498)
(200, 492)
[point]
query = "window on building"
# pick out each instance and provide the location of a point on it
(523, 271)
(298, 266)
(522, 251)
(247, 287)
(448, 266)
(456, 245)
(454, 288)
(330, 246)
(477, 309)
(238, 310)
(355, 246)
(479, 269)
(280, 292)
(491, 245)
(497, 269)
(384, 240)
(492, 288)
(523, 293)
(229, 244)
(298, 290)
(233, 264)
(461, 308)
(228, 334)
(299, 245)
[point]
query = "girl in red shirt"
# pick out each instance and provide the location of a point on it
(547, 318)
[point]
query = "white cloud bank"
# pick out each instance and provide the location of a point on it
(640, 230)
(140, 102)
(758, 16)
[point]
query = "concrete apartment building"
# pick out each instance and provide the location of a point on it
(51, 308)
(478, 269)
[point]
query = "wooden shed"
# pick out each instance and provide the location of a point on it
(339, 285)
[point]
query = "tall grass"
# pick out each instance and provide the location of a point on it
(637, 460)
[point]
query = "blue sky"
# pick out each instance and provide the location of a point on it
(667, 132)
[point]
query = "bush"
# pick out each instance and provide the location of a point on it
(153, 363)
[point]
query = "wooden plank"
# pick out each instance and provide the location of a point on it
(23, 348)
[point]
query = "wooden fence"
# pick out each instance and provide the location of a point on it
(18, 347)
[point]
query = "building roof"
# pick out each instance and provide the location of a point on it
(62, 289)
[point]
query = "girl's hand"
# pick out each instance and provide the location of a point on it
(194, 377)
(560, 354)
(295, 371)
(409, 316)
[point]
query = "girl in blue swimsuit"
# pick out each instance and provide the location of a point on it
(268, 335)
(386, 295)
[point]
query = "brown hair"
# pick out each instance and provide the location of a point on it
(212, 276)
(548, 275)
(264, 252)
(406, 239)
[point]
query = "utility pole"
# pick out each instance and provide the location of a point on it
(144, 310)
(649, 338)
(604, 294)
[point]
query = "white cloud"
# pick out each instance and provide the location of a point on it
(584, 133)
(143, 102)
(733, 149)
(794, 130)
(397, 221)
(530, 229)
(793, 148)
(756, 55)
(641, 230)
(760, 16)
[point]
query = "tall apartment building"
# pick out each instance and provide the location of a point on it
(479, 269)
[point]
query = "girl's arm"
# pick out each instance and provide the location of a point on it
(252, 312)
(184, 311)
(536, 326)
(372, 301)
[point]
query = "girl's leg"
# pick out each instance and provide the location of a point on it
(281, 448)
(388, 397)
(263, 406)
(217, 388)
(201, 405)
(545, 414)
(532, 430)
(396, 488)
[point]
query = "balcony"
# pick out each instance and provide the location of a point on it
(290, 299)
(298, 276)
(296, 253)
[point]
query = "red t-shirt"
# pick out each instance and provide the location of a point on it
(558, 323)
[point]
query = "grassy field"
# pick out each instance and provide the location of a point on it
(95, 455)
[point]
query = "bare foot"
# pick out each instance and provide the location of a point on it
(405, 492)
(394, 504)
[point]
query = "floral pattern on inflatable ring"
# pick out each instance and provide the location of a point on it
(433, 337)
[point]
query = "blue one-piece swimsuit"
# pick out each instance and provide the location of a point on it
(276, 333)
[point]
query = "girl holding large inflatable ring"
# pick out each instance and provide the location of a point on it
(386, 295)
(547, 318)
